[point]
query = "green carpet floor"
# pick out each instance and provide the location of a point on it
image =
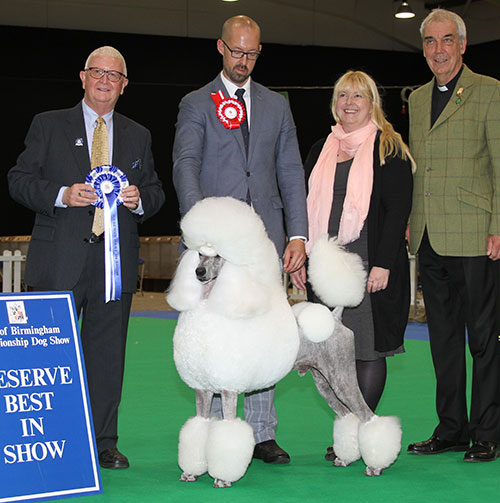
(156, 403)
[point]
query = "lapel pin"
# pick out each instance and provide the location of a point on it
(137, 164)
(79, 142)
(459, 95)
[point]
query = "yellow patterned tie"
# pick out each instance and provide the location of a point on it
(100, 156)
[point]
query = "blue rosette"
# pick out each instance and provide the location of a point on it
(108, 182)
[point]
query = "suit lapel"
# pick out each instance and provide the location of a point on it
(119, 142)
(218, 85)
(422, 108)
(256, 119)
(77, 138)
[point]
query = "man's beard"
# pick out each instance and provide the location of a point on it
(236, 77)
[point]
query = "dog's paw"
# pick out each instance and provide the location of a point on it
(339, 462)
(187, 477)
(373, 472)
(218, 483)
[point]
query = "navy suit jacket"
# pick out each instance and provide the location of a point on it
(56, 154)
(210, 160)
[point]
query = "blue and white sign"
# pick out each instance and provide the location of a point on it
(47, 443)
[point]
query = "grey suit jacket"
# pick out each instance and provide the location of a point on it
(210, 160)
(56, 154)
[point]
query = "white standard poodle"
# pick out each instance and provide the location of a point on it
(237, 333)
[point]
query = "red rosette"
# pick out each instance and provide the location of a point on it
(230, 112)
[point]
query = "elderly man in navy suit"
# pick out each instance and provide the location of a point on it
(236, 138)
(67, 249)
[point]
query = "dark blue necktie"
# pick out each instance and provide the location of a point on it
(244, 125)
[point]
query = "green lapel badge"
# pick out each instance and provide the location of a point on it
(459, 95)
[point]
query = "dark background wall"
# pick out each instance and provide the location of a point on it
(40, 67)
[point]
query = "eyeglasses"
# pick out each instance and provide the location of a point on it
(98, 73)
(237, 54)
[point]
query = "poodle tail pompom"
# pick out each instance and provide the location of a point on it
(380, 441)
(229, 449)
(345, 438)
(337, 277)
(185, 291)
(192, 441)
(314, 320)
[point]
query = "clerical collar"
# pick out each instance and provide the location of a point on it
(451, 84)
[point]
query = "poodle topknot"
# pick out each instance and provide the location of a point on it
(239, 237)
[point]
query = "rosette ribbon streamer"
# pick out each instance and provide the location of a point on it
(108, 181)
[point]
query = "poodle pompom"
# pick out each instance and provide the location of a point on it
(380, 441)
(345, 438)
(229, 449)
(192, 441)
(315, 320)
(337, 277)
(186, 291)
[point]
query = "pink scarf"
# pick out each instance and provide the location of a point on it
(359, 144)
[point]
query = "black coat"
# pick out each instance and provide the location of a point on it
(390, 207)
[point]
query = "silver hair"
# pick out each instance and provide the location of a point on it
(443, 16)
(110, 52)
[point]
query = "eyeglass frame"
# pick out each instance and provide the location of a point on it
(243, 53)
(105, 72)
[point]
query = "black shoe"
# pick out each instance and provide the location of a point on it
(113, 458)
(270, 452)
(330, 454)
(482, 451)
(436, 445)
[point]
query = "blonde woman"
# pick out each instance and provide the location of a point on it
(360, 189)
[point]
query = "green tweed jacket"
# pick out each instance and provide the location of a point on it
(456, 189)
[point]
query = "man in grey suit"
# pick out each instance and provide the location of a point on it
(64, 252)
(237, 138)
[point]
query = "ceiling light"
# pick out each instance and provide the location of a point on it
(404, 11)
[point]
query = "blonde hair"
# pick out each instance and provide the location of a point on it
(110, 52)
(391, 142)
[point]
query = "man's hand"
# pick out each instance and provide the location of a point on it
(377, 279)
(79, 194)
(493, 247)
(130, 196)
(299, 278)
(295, 255)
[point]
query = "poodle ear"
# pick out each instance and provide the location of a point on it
(236, 293)
(185, 291)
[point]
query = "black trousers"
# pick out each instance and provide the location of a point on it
(103, 335)
(462, 292)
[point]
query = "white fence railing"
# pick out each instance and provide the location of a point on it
(11, 270)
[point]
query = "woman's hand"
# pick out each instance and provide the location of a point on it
(377, 279)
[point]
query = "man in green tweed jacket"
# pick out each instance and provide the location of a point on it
(455, 228)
